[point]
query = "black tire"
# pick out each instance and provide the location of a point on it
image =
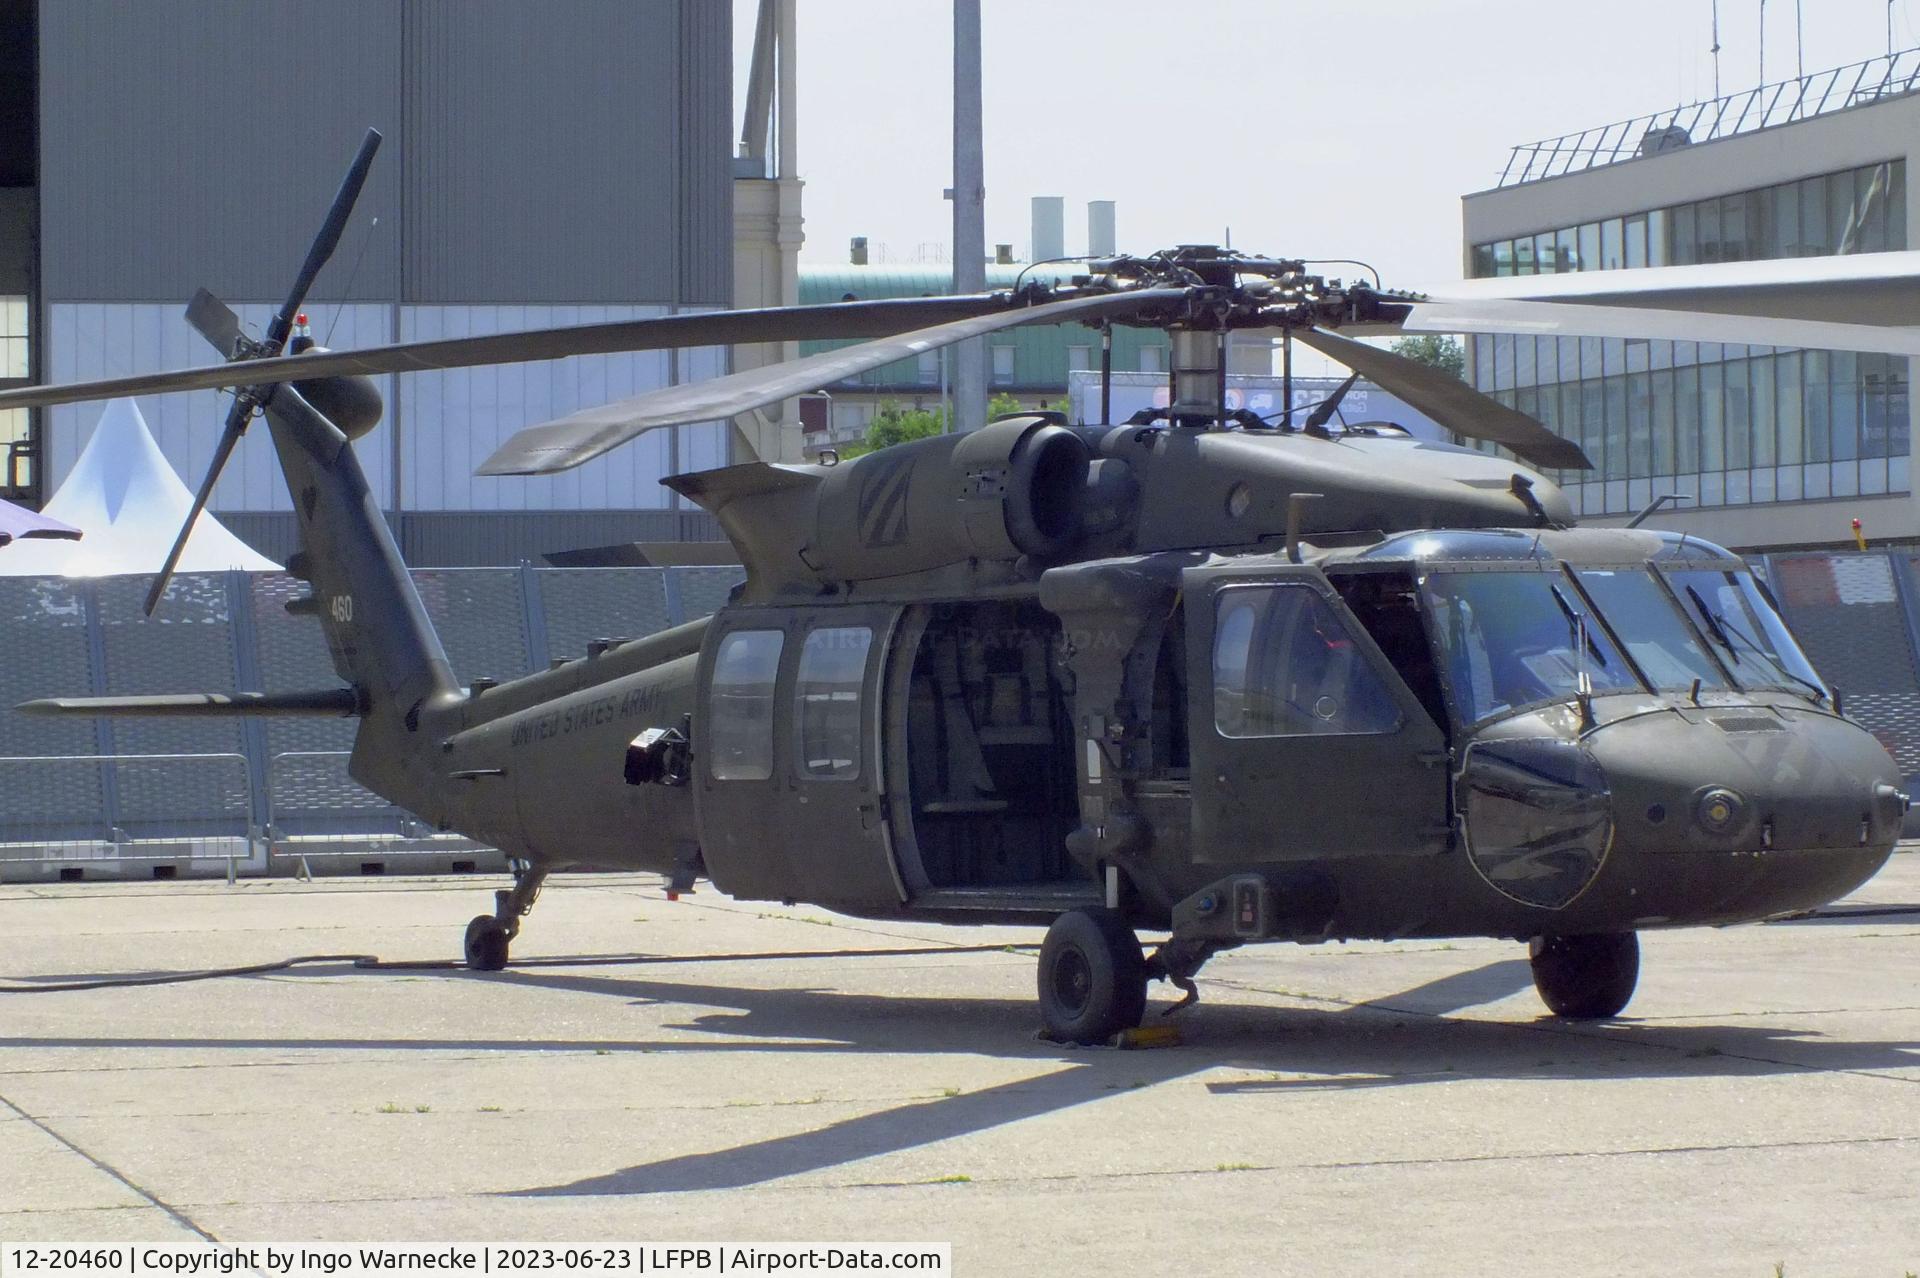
(486, 944)
(1586, 978)
(1093, 978)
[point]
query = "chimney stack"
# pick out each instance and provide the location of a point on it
(859, 250)
(1049, 227)
(1101, 241)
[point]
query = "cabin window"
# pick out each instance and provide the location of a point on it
(740, 732)
(1284, 665)
(833, 665)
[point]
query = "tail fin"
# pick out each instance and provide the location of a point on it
(376, 627)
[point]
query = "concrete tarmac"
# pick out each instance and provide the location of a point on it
(1358, 1109)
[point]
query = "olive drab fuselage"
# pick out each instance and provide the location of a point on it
(1004, 675)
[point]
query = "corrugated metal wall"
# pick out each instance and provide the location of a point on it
(534, 153)
(542, 165)
(551, 147)
(198, 142)
(706, 131)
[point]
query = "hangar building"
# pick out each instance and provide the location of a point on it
(543, 165)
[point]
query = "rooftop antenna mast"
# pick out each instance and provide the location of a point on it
(1716, 49)
(969, 213)
(1763, 42)
(1799, 43)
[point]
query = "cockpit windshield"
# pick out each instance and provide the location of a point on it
(1658, 638)
(1516, 638)
(1753, 641)
(1513, 638)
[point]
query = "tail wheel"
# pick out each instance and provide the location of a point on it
(1093, 977)
(1586, 978)
(486, 944)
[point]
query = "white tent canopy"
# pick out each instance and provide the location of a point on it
(126, 499)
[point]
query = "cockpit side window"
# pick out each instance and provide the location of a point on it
(1388, 605)
(1285, 665)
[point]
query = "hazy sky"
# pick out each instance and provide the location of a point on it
(1329, 129)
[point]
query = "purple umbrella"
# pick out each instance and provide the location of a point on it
(18, 521)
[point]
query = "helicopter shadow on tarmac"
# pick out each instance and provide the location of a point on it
(1404, 1038)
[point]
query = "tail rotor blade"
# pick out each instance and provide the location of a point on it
(252, 397)
(228, 441)
(328, 240)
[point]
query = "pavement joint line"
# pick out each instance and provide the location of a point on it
(1785, 1011)
(47, 1211)
(790, 1185)
(740, 910)
(179, 1217)
(1653, 1151)
(1569, 1030)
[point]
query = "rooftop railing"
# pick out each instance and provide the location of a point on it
(1822, 93)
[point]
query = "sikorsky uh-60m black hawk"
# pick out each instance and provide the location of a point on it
(1230, 678)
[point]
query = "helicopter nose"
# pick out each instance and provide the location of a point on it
(1544, 816)
(1748, 779)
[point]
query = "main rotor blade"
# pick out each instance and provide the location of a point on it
(1568, 319)
(1449, 401)
(566, 443)
(835, 320)
(1851, 288)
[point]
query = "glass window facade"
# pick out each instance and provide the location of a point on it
(1729, 424)
(16, 366)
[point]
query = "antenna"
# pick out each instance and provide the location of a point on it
(1763, 42)
(1799, 43)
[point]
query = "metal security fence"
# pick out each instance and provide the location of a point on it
(123, 797)
(1858, 617)
(65, 814)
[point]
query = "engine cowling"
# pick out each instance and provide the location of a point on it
(1014, 488)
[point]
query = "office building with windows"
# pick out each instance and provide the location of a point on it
(1778, 448)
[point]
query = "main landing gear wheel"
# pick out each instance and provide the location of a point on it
(1093, 978)
(1586, 978)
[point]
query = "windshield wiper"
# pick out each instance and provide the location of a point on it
(1722, 629)
(1712, 619)
(1576, 624)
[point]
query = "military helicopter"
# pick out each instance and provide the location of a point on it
(1198, 672)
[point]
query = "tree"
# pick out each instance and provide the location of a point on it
(1435, 350)
(896, 425)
